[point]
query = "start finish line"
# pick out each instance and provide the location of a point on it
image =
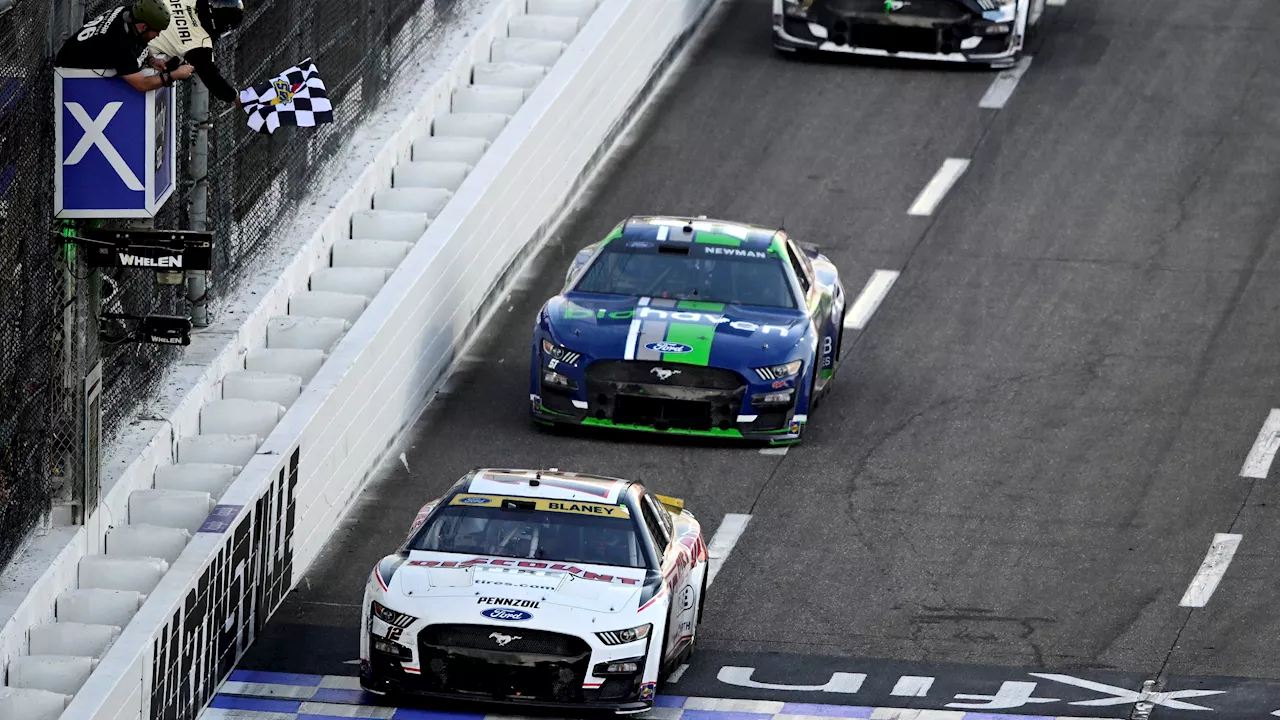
(115, 146)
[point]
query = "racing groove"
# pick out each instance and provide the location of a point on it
(1033, 442)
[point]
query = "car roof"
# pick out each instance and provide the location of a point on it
(547, 484)
(679, 229)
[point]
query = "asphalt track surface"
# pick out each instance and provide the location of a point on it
(1030, 447)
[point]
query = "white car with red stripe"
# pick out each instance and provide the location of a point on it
(539, 587)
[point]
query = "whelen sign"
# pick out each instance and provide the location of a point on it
(168, 261)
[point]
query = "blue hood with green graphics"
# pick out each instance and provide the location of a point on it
(738, 337)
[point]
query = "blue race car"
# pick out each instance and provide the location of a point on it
(690, 326)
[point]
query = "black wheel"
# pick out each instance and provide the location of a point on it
(815, 397)
(702, 597)
(664, 668)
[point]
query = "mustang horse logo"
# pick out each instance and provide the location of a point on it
(663, 373)
(501, 639)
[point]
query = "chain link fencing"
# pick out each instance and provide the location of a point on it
(257, 181)
(38, 381)
(49, 316)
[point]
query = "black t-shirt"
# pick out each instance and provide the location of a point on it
(104, 43)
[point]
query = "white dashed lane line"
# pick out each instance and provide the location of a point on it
(1211, 570)
(937, 189)
(775, 450)
(873, 293)
(1263, 452)
(727, 535)
(1003, 86)
(1057, 3)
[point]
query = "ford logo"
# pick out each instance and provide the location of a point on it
(668, 347)
(506, 614)
(474, 501)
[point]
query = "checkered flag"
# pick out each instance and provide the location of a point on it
(295, 97)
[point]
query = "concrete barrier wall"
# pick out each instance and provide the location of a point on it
(275, 517)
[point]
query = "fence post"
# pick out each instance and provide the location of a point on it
(198, 209)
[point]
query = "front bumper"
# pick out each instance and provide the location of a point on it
(703, 402)
(549, 669)
(933, 34)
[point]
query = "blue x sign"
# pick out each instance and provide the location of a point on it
(114, 147)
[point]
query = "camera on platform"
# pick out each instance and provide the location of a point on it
(153, 329)
(165, 329)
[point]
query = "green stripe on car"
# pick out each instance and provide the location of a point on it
(698, 305)
(714, 432)
(715, 238)
(698, 337)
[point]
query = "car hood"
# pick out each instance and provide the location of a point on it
(716, 334)
(513, 583)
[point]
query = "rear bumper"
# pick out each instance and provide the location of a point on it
(944, 40)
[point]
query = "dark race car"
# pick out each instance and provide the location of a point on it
(990, 32)
(690, 326)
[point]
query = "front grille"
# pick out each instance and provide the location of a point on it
(893, 38)
(533, 665)
(545, 681)
(558, 402)
(619, 688)
(662, 412)
(772, 419)
(482, 637)
(643, 372)
(946, 11)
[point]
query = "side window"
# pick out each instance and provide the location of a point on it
(667, 522)
(802, 272)
(656, 528)
(663, 516)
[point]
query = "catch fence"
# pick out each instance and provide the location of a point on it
(49, 311)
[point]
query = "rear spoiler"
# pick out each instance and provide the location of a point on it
(673, 503)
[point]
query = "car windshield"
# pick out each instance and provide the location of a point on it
(559, 531)
(699, 276)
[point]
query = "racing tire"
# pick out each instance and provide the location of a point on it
(702, 599)
(664, 668)
(815, 397)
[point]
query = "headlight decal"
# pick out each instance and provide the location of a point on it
(778, 372)
(391, 617)
(559, 353)
(622, 637)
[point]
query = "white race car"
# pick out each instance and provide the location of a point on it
(548, 588)
(990, 32)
